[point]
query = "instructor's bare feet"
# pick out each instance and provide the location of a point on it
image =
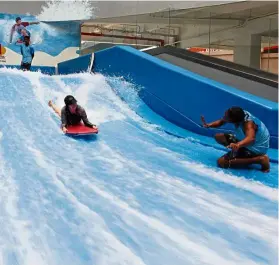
(265, 163)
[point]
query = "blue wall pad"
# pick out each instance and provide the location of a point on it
(77, 65)
(49, 70)
(181, 96)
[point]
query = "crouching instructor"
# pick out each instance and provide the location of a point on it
(249, 143)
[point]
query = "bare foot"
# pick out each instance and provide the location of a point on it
(265, 164)
(50, 103)
(223, 163)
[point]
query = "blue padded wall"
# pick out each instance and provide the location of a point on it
(181, 96)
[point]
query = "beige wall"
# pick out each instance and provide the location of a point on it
(269, 62)
(41, 58)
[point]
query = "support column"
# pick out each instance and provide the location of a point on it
(247, 50)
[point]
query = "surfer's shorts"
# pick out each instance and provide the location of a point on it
(242, 152)
(21, 38)
(25, 66)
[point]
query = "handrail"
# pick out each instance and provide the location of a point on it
(162, 42)
(225, 66)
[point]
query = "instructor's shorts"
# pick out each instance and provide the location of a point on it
(242, 152)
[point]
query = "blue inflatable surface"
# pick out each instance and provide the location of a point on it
(77, 65)
(143, 192)
(181, 96)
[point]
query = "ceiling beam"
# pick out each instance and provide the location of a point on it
(147, 19)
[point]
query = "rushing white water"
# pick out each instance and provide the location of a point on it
(132, 195)
(55, 10)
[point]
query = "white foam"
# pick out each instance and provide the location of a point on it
(117, 192)
(102, 114)
(255, 187)
(54, 10)
(240, 182)
(51, 31)
(113, 251)
(201, 201)
(6, 26)
(15, 226)
(172, 238)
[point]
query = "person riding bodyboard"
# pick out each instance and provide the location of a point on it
(71, 113)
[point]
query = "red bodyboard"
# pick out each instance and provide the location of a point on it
(81, 129)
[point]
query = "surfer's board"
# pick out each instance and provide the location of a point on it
(81, 129)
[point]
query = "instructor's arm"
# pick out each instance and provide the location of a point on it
(214, 124)
(250, 135)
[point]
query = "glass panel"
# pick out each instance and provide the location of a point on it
(269, 45)
(241, 36)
